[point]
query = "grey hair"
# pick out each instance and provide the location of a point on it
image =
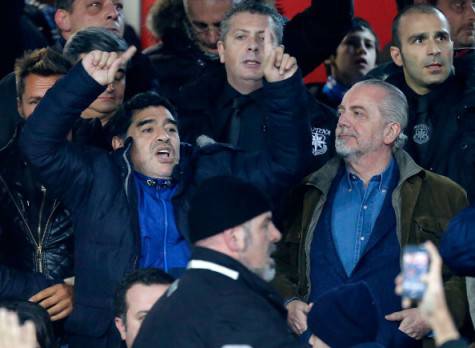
(254, 7)
(393, 108)
(93, 38)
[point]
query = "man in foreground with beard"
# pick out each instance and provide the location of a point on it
(223, 298)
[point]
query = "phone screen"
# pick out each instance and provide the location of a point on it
(415, 266)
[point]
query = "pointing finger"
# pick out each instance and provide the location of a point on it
(128, 54)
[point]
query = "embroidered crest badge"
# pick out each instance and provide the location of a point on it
(421, 134)
(320, 138)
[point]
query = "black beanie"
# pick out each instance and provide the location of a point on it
(345, 316)
(223, 202)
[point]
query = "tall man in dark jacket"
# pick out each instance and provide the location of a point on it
(129, 207)
(223, 297)
(36, 229)
(229, 105)
(441, 128)
(189, 34)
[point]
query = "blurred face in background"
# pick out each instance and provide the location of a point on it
(355, 57)
(205, 17)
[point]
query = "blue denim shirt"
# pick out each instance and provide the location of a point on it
(162, 245)
(355, 210)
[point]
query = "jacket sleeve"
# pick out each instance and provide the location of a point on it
(455, 288)
(457, 246)
(61, 165)
(314, 34)
(22, 285)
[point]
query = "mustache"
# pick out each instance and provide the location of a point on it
(345, 132)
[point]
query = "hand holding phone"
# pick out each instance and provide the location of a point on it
(415, 266)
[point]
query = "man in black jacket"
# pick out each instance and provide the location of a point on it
(189, 32)
(36, 230)
(228, 105)
(223, 298)
(441, 127)
(129, 208)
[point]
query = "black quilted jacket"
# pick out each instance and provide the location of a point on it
(36, 230)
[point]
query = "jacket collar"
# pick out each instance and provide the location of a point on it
(180, 174)
(323, 178)
(214, 261)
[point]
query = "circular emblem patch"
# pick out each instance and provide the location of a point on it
(421, 134)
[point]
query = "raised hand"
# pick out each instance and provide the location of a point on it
(103, 66)
(278, 65)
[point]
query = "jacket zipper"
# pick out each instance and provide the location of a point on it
(126, 189)
(37, 243)
(165, 237)
(39, 250)
(22, 217)
(43, 236)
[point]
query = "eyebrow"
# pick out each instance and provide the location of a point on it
(417, 36)
(145, 122)
(216, 24)
(152, 120)
(357, 107)
(248, 31)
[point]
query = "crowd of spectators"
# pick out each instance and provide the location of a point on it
(198, 194)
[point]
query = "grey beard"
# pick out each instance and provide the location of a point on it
(266, 273)
(341, 148)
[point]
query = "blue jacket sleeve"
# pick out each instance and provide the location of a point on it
(457, 246)
(314, 34)
(61, 167)
(21, 285)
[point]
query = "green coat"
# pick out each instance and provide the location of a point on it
(423, 202)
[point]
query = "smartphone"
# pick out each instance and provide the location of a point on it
(415, 264)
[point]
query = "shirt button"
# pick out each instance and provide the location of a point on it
(365, 207)
(362, 238)
(349, 190)
(383, 190)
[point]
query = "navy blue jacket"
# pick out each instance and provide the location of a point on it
(457, 246)
(22, 285)
(99, 190)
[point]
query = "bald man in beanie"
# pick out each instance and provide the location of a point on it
(223, 298)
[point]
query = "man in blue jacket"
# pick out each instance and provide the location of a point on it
(128, 203)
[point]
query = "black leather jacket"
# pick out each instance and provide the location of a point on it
(36, 230)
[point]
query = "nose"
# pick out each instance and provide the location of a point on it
(212, 35)
(112, 11)
(360, 48)
(275, 234)
(433, 48)
(343, 120)
(162, 135)
(253, 44)
(110, 88)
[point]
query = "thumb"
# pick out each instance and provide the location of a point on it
(309, 308)
(396, 316)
